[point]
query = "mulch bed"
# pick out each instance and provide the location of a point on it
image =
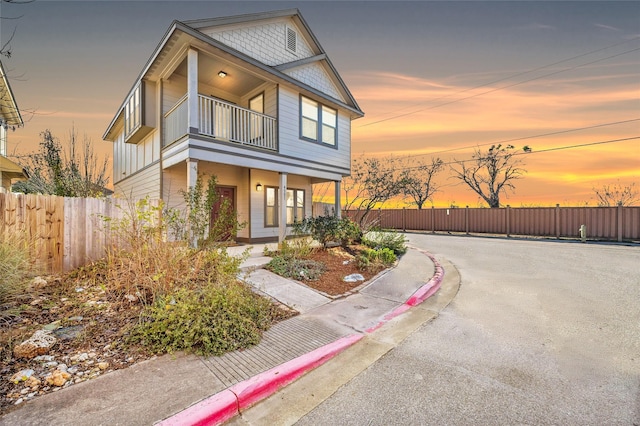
(340, 262)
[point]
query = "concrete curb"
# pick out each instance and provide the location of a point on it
(228, 403)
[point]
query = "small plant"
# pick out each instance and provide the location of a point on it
(212, 320)
(375, 258)
(299, 269)
(386, 239)
(327, 229)
(15, 270)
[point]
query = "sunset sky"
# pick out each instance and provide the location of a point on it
(433, 78)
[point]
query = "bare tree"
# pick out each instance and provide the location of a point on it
(617, 195)
(76, 173)
(418, 179)
(5, 45)
(490, 173)
(373, 182)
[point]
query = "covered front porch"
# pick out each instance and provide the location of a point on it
(267, 202)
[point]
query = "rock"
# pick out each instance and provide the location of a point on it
(80, 357)
(33, 382)
(79, 289)
(353, 278)
(68, 333)
(39, 282)
(50, 364)
(131, 298)
(58, 378)
(78, 318)
(24, 391)
(21, 376)
(62, 367)
(44, 358)
(38, 344)
(19, 401)
(52, 326)
(103, 365)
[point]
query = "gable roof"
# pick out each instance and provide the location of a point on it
(192, 29)
(9, 112)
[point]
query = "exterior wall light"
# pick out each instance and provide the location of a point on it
(259, 187)
(222, 74)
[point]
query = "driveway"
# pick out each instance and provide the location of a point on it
(541, 332)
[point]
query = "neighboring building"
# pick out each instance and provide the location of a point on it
(10, 118)
(251, 99)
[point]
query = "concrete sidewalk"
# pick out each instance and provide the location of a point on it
(185, 389)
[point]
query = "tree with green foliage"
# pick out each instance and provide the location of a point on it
(74, 173)
(491, 173)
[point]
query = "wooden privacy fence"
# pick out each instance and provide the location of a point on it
(62, 233)
(602, 223)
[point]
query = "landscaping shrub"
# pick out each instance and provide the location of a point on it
(212, 320)
(375, 258)
(386, 239)
(327, 229)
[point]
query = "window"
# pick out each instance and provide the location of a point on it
(291, 40)
(294, 202)
(318, 122)
(132, 112)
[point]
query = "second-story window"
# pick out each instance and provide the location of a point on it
(133, 112)
(318, 122)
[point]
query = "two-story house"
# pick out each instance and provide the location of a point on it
(251, 99)
(10, 118)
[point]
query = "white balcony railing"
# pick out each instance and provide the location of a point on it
(225, 121)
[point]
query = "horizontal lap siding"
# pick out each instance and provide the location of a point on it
(290, 143)
(140, 185)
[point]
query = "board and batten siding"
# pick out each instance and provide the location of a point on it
(291, 144)
(129, 158)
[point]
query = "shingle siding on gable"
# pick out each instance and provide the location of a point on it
(265, 42)
(315, 76)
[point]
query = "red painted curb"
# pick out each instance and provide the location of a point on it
(226, 404)
(420, 295)
(256, 388)
(216, 409)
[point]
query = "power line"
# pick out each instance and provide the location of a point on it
(498, 88)
(559, 132)
(519, 74)
(559, 148)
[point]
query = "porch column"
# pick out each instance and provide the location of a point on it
(337, 208)
(192, 177)
(192, 172)
(192, 91)
(282, 202)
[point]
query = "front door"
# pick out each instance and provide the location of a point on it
(222, 221)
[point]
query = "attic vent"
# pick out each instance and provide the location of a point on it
(292, 39)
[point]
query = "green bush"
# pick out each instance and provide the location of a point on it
(377, 258)
(386, 239)
(327, 229)
(215, 319)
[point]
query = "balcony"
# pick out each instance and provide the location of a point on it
(224, 121)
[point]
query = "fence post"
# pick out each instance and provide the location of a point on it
(433, 219)
(620, 223)
(556, 221)
(466, 220)
(507, 211)
(404, 225)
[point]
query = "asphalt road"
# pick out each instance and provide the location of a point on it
(541, 332)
